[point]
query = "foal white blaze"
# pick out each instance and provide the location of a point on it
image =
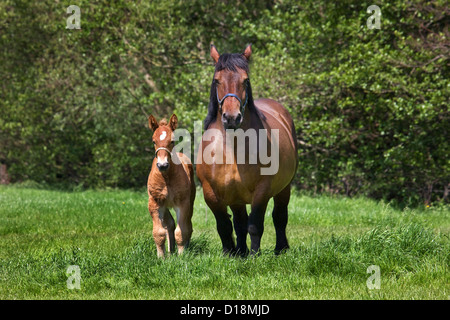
(162, 160)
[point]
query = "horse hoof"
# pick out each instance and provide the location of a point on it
(282, 250)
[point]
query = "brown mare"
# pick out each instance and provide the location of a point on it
(170, 185)
(235, 185)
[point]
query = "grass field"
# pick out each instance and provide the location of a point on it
(108, 235)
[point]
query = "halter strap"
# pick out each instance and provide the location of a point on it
(162, 148)
(241, 106)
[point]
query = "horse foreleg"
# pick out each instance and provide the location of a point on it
(223, 222)
(256, 223)
(240, 222)
(225, 230)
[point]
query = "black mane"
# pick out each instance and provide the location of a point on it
(231, 62)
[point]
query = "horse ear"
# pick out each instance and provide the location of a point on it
(248, 52)
(214, 53)
(173, 122)
(152, 123)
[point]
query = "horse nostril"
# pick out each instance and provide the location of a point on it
(225, 117)
(238, 118)
(163, 166)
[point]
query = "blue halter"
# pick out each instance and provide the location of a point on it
(241, 106)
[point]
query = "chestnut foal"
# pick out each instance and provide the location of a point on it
(170, 185)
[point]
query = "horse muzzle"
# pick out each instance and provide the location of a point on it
(163, 162)
(163, 166)
(230, 121)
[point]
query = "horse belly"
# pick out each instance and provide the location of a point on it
(277, 117)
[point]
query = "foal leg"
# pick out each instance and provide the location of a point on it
(280, 218)
(183, 231)
(169, 225)
(159, 231)
(240, 221)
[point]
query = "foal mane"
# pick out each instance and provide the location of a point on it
(231, 62)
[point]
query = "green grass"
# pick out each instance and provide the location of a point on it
(108, 235)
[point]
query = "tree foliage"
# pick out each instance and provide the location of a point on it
(370, 105)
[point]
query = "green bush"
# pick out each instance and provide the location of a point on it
(370, 106)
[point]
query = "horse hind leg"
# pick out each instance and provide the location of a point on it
(280, 218)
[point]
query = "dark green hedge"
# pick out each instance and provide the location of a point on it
(370, 106)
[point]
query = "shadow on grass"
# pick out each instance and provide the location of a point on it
(199, 245)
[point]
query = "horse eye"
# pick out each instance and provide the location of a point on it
(172, 143)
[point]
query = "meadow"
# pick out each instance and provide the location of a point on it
(107, 234)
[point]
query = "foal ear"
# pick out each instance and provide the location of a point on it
(214, 53)
(173, 122)
(248, 52)
(152, 123)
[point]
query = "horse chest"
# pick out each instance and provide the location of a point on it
(234, 183)
(169, 192)
(159, 192)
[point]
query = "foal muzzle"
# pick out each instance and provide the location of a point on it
(165, 165)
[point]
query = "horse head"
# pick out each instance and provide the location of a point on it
(163, 140)
(231, 84)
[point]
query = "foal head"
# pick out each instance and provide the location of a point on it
(232, 85)
(163, 140)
